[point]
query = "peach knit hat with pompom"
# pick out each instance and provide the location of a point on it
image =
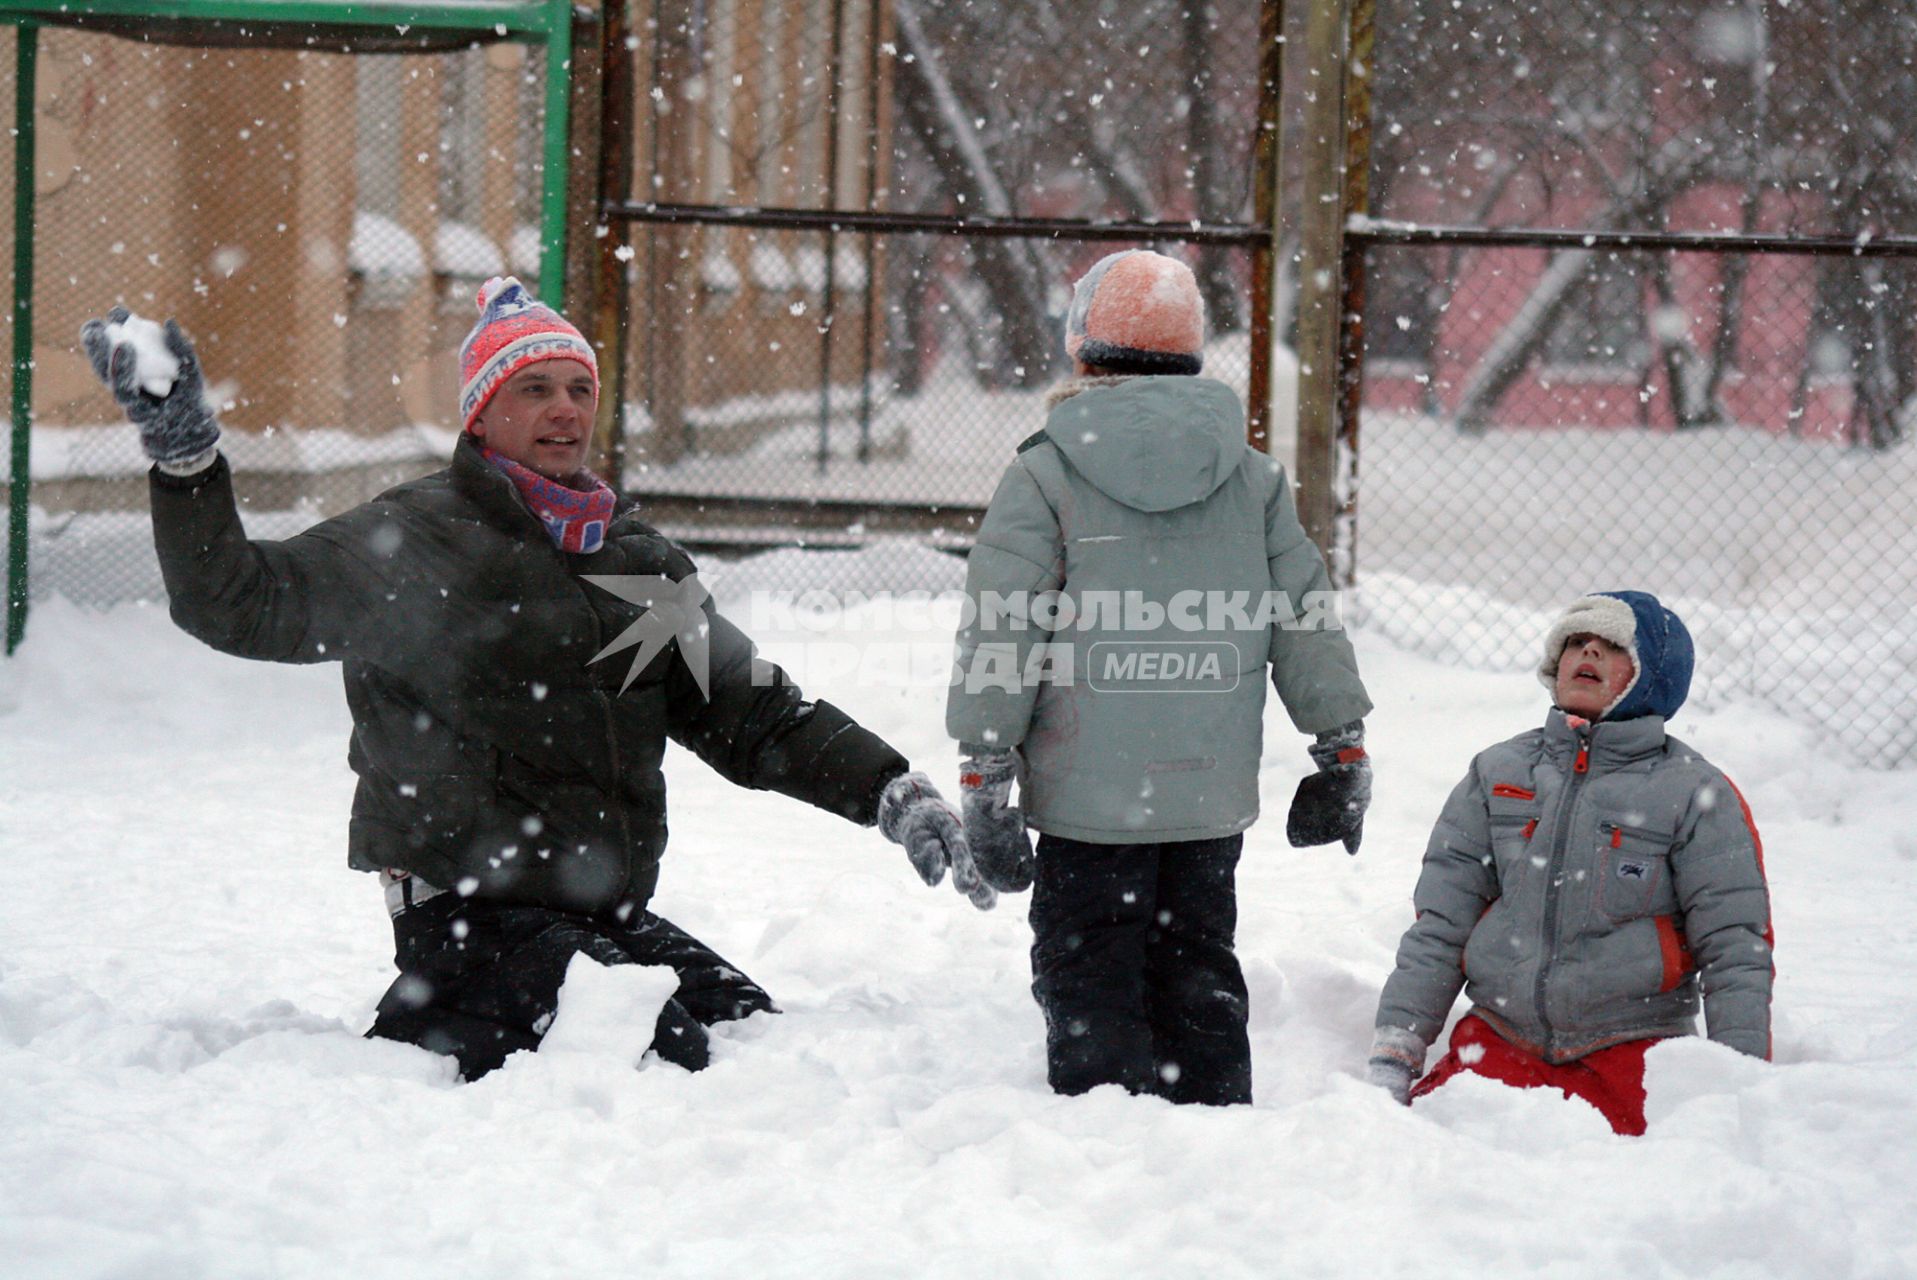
(1137, 312)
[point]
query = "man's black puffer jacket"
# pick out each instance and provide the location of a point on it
(491, 756)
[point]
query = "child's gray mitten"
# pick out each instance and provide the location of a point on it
(993, 825)
(174, 428)
(1330, 804)
(1397, 1060)
(912, 813)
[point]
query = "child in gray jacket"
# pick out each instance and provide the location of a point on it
(1138, 572)
(1586, 883)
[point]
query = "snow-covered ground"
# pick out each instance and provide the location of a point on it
(186, 965)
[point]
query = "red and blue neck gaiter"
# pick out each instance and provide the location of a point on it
(577, 519)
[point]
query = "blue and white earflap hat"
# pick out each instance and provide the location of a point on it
(1638, 623)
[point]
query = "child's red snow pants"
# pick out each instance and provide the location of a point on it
(1612, 1080)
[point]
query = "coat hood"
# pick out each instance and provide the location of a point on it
(1153, 443)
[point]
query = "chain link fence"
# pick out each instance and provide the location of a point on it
(789, 425)
(1728, 429)
(792, 385)
(319, 224)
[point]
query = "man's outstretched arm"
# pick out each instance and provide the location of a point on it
(293, 601)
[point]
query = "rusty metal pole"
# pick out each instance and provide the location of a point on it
(612, 315)
(874, 39)
(587, 82)
(1359, 77)
(1321, 251)
(828, 301)
(1264, 206)
(585, 195)
(666, 299)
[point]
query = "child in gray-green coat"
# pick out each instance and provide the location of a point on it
(1139, 571)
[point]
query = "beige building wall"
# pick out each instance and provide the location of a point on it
(218, 186)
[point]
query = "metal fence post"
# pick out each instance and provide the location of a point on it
(611, 246)
(26, 65)
(1266, 212)
(587, 89)
(1360, 47)
(1321, 250)
(828, 299)
(874, 153)
(585, 198)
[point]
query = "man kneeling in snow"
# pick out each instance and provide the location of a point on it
(510, 794)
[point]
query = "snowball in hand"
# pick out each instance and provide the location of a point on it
(154, 365)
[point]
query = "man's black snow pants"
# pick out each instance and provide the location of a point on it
(1132, 963)
(479, 979)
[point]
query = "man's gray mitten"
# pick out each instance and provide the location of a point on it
(1330, 804)
(912, 813)
(1397, 1060)
(993, 825)
(175, 428)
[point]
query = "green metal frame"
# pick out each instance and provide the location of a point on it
(27, 60)
(277, 23)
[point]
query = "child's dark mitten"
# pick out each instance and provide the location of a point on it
(1330, 804)
(993, 825)
(176, 427)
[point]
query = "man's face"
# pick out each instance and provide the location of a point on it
(542, 418)
(1593, 674)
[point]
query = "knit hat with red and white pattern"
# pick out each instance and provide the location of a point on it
(1137, 312)
(515, 329)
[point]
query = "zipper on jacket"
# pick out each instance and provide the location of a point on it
(1617, 831)
(1554, 870)
(565, 561)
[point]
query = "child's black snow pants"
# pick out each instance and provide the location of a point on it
(479, 979)
(1132, 963)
